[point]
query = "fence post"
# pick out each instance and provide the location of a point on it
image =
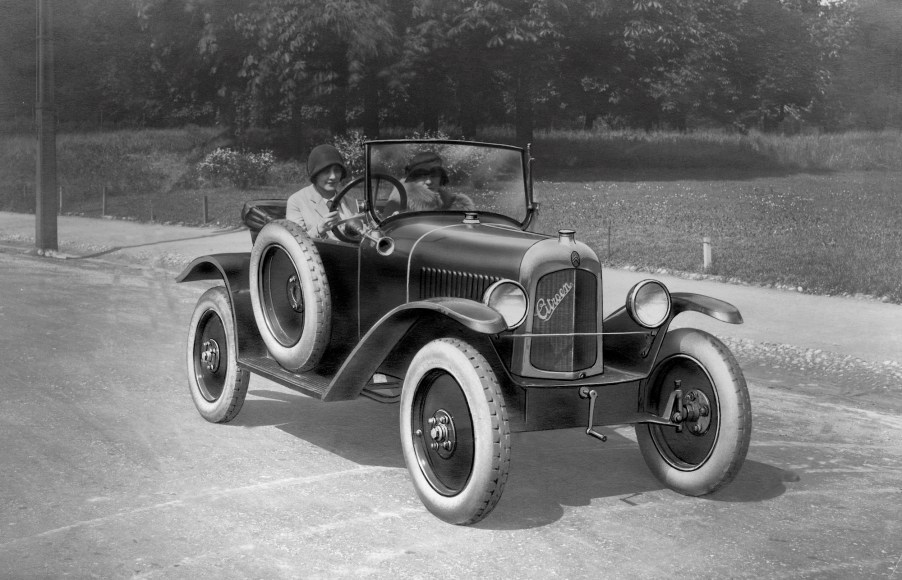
(706, 252)
(61, 200)
(205, 209)
(103, 202)
(151, 210)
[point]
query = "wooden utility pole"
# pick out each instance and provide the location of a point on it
(46, 200)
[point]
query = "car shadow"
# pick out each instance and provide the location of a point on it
(361, 431)
(550, 470)
(565, 468)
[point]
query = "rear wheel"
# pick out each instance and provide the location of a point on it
(218, 387)
(290, 295)
(709, 449)
(454, 431)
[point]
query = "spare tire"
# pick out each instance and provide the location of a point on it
(290, 295)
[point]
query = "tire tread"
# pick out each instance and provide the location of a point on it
(501, 448)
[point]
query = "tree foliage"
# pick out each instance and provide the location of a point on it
(467, 64)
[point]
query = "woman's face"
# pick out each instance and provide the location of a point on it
(431, 180)
(328, 179)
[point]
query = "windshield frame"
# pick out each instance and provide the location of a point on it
(525, 165)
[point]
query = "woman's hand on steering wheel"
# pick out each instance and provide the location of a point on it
(352, 232)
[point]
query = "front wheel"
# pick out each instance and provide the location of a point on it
(455, 433)
(709, 449)
(217, 385)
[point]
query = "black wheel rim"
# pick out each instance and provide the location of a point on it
(281, 296)
(211, 356)
(442, 431)
(689, 448)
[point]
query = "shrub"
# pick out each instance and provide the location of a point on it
(241, 169)
(350, 145)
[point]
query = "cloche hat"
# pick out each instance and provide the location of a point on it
(322, 157)
(423, 164)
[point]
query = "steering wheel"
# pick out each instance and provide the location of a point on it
(341, 234)
(335, 201)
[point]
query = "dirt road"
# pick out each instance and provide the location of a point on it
(108, 471)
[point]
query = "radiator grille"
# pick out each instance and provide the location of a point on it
(437, 282)
(565, 302)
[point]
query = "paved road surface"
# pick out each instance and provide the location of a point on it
(108, 471)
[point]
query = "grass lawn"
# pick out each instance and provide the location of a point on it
(829, 233)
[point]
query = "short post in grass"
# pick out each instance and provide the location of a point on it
(205, 209)
(151, 211)
(61, 200)
(706, 252)
(103, 201)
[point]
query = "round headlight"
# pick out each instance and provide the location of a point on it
(509, 299)
(648, 303)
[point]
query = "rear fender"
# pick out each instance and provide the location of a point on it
(233, 270)
(382, 338)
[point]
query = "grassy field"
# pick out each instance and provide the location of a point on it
(827, 233)
(820, 212)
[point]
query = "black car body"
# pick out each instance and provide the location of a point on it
(476, 325)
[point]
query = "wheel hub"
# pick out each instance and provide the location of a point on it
(295, 295)
(694, 412)
(442, 433)
(209, 356)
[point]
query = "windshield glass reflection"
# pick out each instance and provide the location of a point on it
(437, 176)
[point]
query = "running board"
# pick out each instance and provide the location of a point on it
(310, 383)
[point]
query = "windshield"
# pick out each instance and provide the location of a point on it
(446, 176)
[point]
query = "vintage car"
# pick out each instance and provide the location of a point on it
(475, 325)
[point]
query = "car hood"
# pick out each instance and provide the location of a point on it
(481, 249)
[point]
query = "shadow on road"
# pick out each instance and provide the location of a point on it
(549, 469)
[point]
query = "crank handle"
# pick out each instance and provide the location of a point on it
(585, 392)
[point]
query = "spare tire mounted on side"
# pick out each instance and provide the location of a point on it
(290, 295)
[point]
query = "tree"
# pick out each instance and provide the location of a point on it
(867, 88)
(308, 54)
(518, 41)
(17, 58)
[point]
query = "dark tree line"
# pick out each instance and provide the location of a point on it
(471, 64)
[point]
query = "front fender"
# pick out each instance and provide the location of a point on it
(632, 347)
(382, 338)
(717, 309)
